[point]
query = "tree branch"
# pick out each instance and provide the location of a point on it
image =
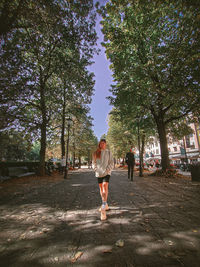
(177, 117)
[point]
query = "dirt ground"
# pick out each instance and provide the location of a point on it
(49, 221)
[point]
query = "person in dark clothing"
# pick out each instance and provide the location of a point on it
(130, 160)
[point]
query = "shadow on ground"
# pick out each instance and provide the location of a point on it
(47, 222)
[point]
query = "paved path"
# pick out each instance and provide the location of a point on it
(48, 222)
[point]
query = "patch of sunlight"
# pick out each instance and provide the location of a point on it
(143, 238)
(36, 218)
(114, 208)
(103, 248)
(50, 254)
(9, 234)
(160, 205)
(29, 212)
(147, 243)
(59, 214)
(188, 236)
(76, 185)
(124, 209)
(119, 220)
(75, 213)
(34, 233)
(89, 225)
(149, 247)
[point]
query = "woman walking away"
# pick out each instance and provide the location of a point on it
(103, 164)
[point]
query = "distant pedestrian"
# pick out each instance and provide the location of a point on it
(130, 160)
(103, 164)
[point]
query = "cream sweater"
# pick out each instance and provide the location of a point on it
(104, 165)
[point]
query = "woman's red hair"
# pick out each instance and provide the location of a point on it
(97, 153)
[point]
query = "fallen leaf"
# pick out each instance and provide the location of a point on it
(77, 255)
(195, 231)
(169, 254)
(107, 251)
(119, 243)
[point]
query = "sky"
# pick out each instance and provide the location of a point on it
(103, 78)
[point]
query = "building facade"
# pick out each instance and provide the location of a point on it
(186, 150)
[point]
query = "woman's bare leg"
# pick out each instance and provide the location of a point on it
(101, 189)
(104, 195)
(104, 191)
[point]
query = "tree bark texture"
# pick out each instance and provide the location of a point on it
(62, 138)
(163, 143)
(79, 163)
(141, 156)
(43, 131)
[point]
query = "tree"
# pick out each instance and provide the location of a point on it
(63, 37)
(16, 146)
(76, 95)
(84, 141)
(119, 136)
(153, 47)
(133, 127)
(11, 13)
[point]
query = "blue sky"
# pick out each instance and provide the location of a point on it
(103, 76)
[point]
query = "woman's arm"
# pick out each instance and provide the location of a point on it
(94, 163)
(110, 162)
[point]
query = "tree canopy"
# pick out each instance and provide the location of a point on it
(46, 49)
(153, 47)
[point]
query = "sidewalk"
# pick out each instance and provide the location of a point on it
(51, 221)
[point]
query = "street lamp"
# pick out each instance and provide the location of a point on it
(69, 122)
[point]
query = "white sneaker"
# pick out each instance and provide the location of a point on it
(103, 214)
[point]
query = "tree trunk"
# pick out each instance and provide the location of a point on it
(63, 137)
(79, 163)
(43, 132)
(74, 157)
(74, 149)
(139, 149)
(42, 149)
(163, 143)
(63, 128)
(141, 156)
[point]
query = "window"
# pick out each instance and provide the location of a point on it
(192, 145)
(187, 140)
